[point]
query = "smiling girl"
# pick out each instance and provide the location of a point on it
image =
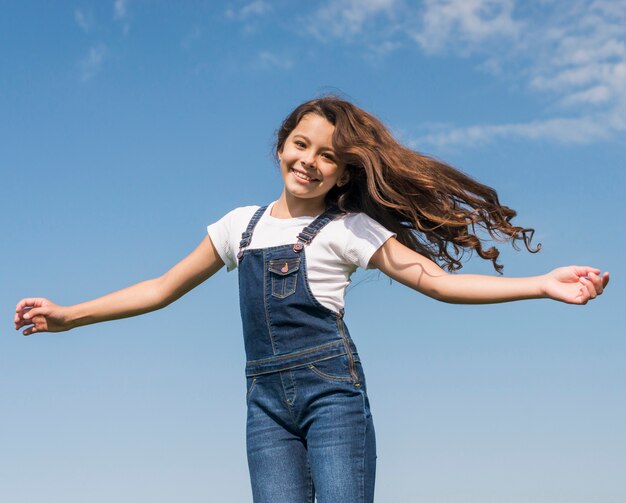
(352, 197)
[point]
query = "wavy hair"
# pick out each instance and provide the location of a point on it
(434, 208)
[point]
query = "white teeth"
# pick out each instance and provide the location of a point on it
(302, 176)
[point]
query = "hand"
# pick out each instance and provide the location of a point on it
(40, 315)
(575, 284)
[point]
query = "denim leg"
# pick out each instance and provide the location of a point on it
(340, 436)
(277, 455)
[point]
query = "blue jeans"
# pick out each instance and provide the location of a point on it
(309, 429)
(310, 434)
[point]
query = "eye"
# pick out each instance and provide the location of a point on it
(328, 156)
(299, 143)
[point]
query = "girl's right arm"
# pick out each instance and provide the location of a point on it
(42, 315)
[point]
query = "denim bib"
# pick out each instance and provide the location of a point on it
(284, 325)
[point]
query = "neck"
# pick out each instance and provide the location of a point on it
(289, 207)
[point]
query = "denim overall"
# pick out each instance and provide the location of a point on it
(309, 427)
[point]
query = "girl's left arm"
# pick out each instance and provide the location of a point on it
(572, 284)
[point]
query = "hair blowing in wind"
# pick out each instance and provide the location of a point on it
(433, 208)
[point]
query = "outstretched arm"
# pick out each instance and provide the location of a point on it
(573, 284)
(43, 315)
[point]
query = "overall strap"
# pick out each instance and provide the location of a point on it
(246, 236)
(310, 231)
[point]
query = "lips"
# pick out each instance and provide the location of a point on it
(303, 176)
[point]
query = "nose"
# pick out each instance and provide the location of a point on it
(308, 161)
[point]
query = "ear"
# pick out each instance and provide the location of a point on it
(344, 179)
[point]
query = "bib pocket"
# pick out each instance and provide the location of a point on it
(284, 274)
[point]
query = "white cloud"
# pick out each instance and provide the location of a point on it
(378, 51)
(120, 13)
(256, 8)
(93, 62)
(573, 53)
(267, 59)
(83, 19)
(584, 60)
(346, 18)
(465, 23)
(578, 130)
(593, 96)
(120, 9)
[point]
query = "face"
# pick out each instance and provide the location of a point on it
(308, 163)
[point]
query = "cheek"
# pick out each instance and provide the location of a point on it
(341, 175)
(286, 157)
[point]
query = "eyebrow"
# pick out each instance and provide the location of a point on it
(304, 137)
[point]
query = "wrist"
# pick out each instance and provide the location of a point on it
(542, 286)
(74, 317)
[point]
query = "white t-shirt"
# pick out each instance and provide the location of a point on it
(339, 248)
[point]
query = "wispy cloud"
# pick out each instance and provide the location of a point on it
(573, 53)
(576, 56)
(120, 9)
(92, 63)
(191, 38)
(578, 130)
(464, 24)
(249, 10)
(346, 18)
(251, 15)
(267, 60)
(584, 58)
(120, 14)
(255, 8)
(83, 19)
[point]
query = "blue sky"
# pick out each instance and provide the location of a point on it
(128, 126)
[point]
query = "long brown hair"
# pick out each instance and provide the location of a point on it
(433, 208)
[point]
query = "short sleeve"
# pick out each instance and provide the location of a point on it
(365, 236)
(226, 234)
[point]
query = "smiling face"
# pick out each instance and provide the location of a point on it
(309, 165)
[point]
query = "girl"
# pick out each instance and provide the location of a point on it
(352, 196)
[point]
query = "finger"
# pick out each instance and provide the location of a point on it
(583, 295)
(597, 282)
(18, 319)
(30, 331)
(30, 302)
(18, 316)
(36, 311)
(24, 311)
(605, 279)
(584, 270)
(21, 304)
(40, 323)
(28, 317)
(590, 288)
(22, 323)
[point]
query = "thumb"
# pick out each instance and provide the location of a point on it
(36, 311)
(30, 302)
